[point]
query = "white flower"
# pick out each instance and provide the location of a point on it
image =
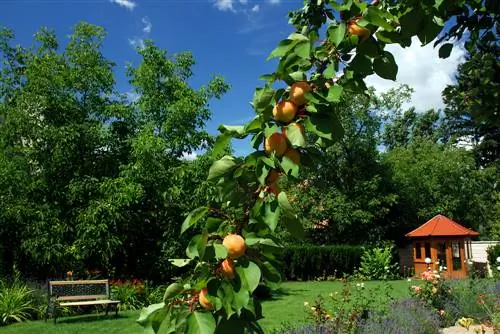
(409, 279)
(362, 285)
(498, 268)
(437, 262)
(313, 308)
(437, 276)
(306, 304)
(445, 268)
(358, 285)
(498, 259)
(386, 267)
(435, 271)
(427, 260)
(440, 268)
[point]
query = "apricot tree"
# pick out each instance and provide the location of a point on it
(335, 46)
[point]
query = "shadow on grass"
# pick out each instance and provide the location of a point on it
(90, 318)
(281, 293)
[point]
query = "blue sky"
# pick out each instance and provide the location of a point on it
(227, 37)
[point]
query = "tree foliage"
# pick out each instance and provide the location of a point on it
(92, 180)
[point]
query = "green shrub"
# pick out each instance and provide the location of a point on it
(493, 255)
(310, 262)
(377, 263)
(16, 301)
(130, 293)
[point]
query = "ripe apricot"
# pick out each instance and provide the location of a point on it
(227, 268)
(204, 300)
(355, 29)
(272, 176)
(235, 245)
(274, 188)
(293, 155)
(298, 92)
(298, 125)
(275, 143)
(285, 111)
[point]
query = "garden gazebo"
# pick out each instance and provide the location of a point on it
(446, 243)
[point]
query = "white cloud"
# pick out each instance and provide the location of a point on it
(189, 156)
(136, 42)
(224, 5)
(129, 4)
(274, 2)
(422, 69)
(255, 8)
(147, 25)
(132, 96)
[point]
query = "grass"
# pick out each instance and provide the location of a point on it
(287, 306)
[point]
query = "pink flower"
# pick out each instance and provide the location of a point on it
(416, 288)
(441, 312)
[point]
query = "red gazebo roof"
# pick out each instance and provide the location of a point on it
(441, 226)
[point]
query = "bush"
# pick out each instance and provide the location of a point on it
(16, 301)
(410, 316)
(377, 263)
(312, 262)
(130, 293)
(493, 255)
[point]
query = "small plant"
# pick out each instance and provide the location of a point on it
(434, 291)
(16, 301)
(130, 293)
(376, 263)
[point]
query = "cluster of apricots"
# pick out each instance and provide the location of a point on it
(285, 112)
(236, 247)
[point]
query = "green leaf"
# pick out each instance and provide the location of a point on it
(220, 251)
(152, 316)
(262, 171)
(336, 34)
(362, 65)
(412, 22)
(327, 126)
(445, 50)
(282, 49)
(172, 290)
(298, 76)
(220, 145)
(271, 214)
(221, 167)
(180, 262)
(254, 125)
(192, 248)
(290, 219)
(262, 98)
(241, 298)
(295, 135)
(289, 167)
(386, 66)
(377, 17)
(329, 71)
(369, 47)
(298, 37)
(237, 131)
(193, 217)
(270, 273)
(334, 93)
(200, 323)
(432, 28)
(249, 276)
(303, 49)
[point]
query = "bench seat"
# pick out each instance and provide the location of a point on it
(90, 302)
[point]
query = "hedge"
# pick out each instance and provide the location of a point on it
(493, 253)
(310, 262)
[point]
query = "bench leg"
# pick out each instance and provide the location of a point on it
(107, 309)
(116, 310)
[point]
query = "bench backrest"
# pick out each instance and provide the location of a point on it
(79, 290)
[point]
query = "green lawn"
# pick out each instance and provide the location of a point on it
(288, 306)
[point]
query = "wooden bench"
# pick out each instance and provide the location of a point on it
(79, 293)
